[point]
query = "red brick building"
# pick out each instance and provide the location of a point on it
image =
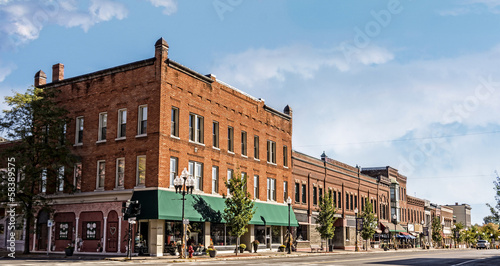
(136, 127)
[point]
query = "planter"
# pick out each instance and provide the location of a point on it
(241, 250)
(255, 247)
(281, 249)
(212, 253)
(69, 251)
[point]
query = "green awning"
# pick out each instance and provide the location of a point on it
(167, 205)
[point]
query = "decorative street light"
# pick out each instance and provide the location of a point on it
(422, 235)
(289, 244)
(395, 221)
(184, 185)
(356, 214)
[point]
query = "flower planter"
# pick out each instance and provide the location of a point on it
(241, 250)
(255, 247)
(212, 253)
(69, 251)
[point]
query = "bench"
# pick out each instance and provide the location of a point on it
(316, 247)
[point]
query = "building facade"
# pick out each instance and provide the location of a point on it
(462, 214)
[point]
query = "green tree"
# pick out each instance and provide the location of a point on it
(456, 232)
(369, 222)
(239, 207)
(437, 229)
(326, 217)
(36, 124)
(495, 210)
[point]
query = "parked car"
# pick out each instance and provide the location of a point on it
(483, 244)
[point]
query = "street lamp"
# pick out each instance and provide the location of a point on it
(184, 185)
(395, 221)
(422, 235)
(356, 214)
(455, 240)
(289, 244)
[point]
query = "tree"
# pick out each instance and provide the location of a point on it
(495, 211)
(369, 222)
(37, 125)
(456, 232)
(326, 217)
(437, 229)
(239, 207)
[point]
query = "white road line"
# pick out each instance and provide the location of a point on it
(465, 262)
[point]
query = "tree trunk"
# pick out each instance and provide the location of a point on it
(27, 235)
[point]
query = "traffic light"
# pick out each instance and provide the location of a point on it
(136, 209)
(131, 209)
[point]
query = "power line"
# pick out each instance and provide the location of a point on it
(404, 140)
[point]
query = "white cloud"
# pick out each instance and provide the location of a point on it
(22, 21)
(169, 6)
(5, 70)
(474, 7)
(347, 109)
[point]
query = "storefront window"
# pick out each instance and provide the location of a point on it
(276, 234)
(219, 233)
(173, 233)
(302, 232)
(260, 233)
(64, 230)
(196, 233)
(91, 230)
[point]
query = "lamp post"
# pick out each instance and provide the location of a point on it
(184, 185)
(289, 244)
(356, 214)
(455, 240)
(395, 221)
(422, 235)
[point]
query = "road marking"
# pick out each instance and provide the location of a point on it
(370, 258)
(465, 262)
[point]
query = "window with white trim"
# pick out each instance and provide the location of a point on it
(142, 120)
(271, 189)
(122, 123)
(229, 176)
(101, 174)
(256, 186)
(79, 130)
(60, 179)
(215, 179)
(230, 139)
(196, 171)
(256, 147)
(43, 186)
(173, 169)
(271, 152)
(77, 176)
(243, 143)
(174, 126)
(141, 170)
(103, 125)
(285, 156)
(120, 172)
(215, 134)
(196, 128)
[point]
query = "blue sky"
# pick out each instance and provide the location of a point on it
(410, 84)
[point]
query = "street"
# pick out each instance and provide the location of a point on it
(432, 257)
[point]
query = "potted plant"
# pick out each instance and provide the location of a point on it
(255, 244)
(69, 249)
(282, 248)
(242, 247)
(211, 251)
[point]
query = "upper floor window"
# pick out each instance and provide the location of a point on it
(256, 186)
(297, 192)
(256, 147)
(44, 181)
(142, 120)
(285, 156)
(101, 174)
(141, 170)
(230, 139)
(174, 126)
(196, 171)
(120, 172)
(243, 143)
(103, 124)
(215, 179)
(122, 123)
(60, 179)
(196, 128)
(229, 176)
(271, 152)
(215, 134)
(339, 200)
(271, 189)
(285, 190)
(77, 176)
(304, 193)
(315, 196)
(173, 170)
(79, 130)
(320, 196)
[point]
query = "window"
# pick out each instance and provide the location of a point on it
(91, 230)
(315, 196)
(196, 128)
(215, 134)
(271, 152)
(173, 170)
(340, 200)
(103, 124)
(141, 170)
(285, 156)
(243, 176)
(243, 143)
(120, 172)
(79, 130)
(285, 190)
(196, 171)
(77, 176)
(362, 204)
(346, 201)
(44, 181)
(256, 186)
(335, 199)
(256, 147)
(355, 202)
(320, 194)
(297, 192)
(304, 193)
(142, 120)
(63, 230)
(347, 233)
(101, 174)
(215, 179)
(229, 175)
(352, 201)
(271, 189)
(230, 139)
(60, 179)
(174, 126)
(122, 123)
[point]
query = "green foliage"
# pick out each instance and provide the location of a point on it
(437, 229)
(239, 208)
(495, 211)
(36, 124)
(369, 221)
(458, 228)
(326, 217)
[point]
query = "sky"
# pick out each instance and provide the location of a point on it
(414, 85)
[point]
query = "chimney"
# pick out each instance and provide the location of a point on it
(57, 72)
(40, 78)
(161, 49)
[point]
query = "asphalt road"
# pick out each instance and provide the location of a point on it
(433, 257)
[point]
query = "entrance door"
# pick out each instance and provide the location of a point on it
(112, 235)
(42, 236)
